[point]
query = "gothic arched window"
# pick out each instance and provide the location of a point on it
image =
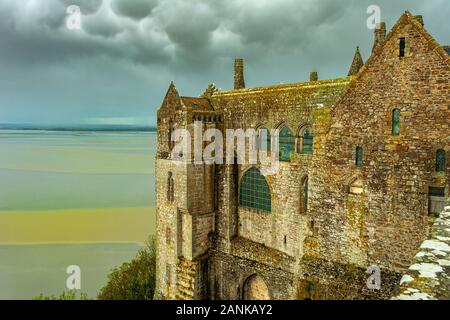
(254, 192)
(307, 141)
(170, 188)
(359, 156)
(440, 160)
(396, 122)
(264, 140)
(286, 143)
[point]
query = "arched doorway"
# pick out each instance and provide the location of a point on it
(255, 289)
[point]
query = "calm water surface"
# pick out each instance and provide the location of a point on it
(71, 198)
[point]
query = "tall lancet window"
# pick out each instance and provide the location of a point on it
(440, 160)
(359, 156)
(396, 122)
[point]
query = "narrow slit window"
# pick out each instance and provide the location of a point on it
(440, 160)
(359, 156)
(305, 195)
(396, 122)
(170, 188)
(402, 47)
(169, 136)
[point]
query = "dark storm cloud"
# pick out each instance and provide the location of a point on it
(134, 48)
(137, 9)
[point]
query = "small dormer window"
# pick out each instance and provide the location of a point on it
(402, 47)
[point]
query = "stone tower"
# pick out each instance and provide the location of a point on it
(185, 195)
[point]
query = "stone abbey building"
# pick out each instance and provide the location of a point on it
(363, 170)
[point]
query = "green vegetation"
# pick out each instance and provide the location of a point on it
(133, 280)
(69, 295)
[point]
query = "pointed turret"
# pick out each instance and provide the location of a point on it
(356, 64)
(172, 98)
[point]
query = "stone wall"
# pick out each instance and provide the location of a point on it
(428, 277)
(356, 216)
(386, 223)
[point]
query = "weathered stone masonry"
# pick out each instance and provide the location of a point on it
(364, 171)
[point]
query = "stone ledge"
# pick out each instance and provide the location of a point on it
(248, 249)
(428, 278)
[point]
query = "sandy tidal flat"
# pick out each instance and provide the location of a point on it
(108, 225)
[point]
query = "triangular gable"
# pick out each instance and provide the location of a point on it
(406, 18)
(172, 98)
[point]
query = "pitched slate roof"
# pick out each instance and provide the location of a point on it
(197, 103)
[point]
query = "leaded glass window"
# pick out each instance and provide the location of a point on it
(359, 156)
(287, 143)
(396, 122)
(440, 160)
(254, 191)
(307, 142)
(264, 139)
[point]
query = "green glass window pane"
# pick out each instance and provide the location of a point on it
(359, 156)
(254, 191)
(307, 143)
(440, 160)
(396, 122)
(287, 144)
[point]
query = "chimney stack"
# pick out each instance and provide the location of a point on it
(313, 76)
(380, 34)
(239, 82)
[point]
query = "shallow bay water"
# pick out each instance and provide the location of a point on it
(72, 198)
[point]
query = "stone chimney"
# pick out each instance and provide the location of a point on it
(239, 82)
(313, 76)
(380, 35)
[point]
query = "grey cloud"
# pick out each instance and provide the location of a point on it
(136, 47)
(137, 9)
(87, 6)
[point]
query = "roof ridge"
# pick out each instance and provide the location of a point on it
(305, 84)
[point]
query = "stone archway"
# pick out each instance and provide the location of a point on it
(255, 288)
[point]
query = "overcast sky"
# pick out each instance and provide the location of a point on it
(117, 68)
